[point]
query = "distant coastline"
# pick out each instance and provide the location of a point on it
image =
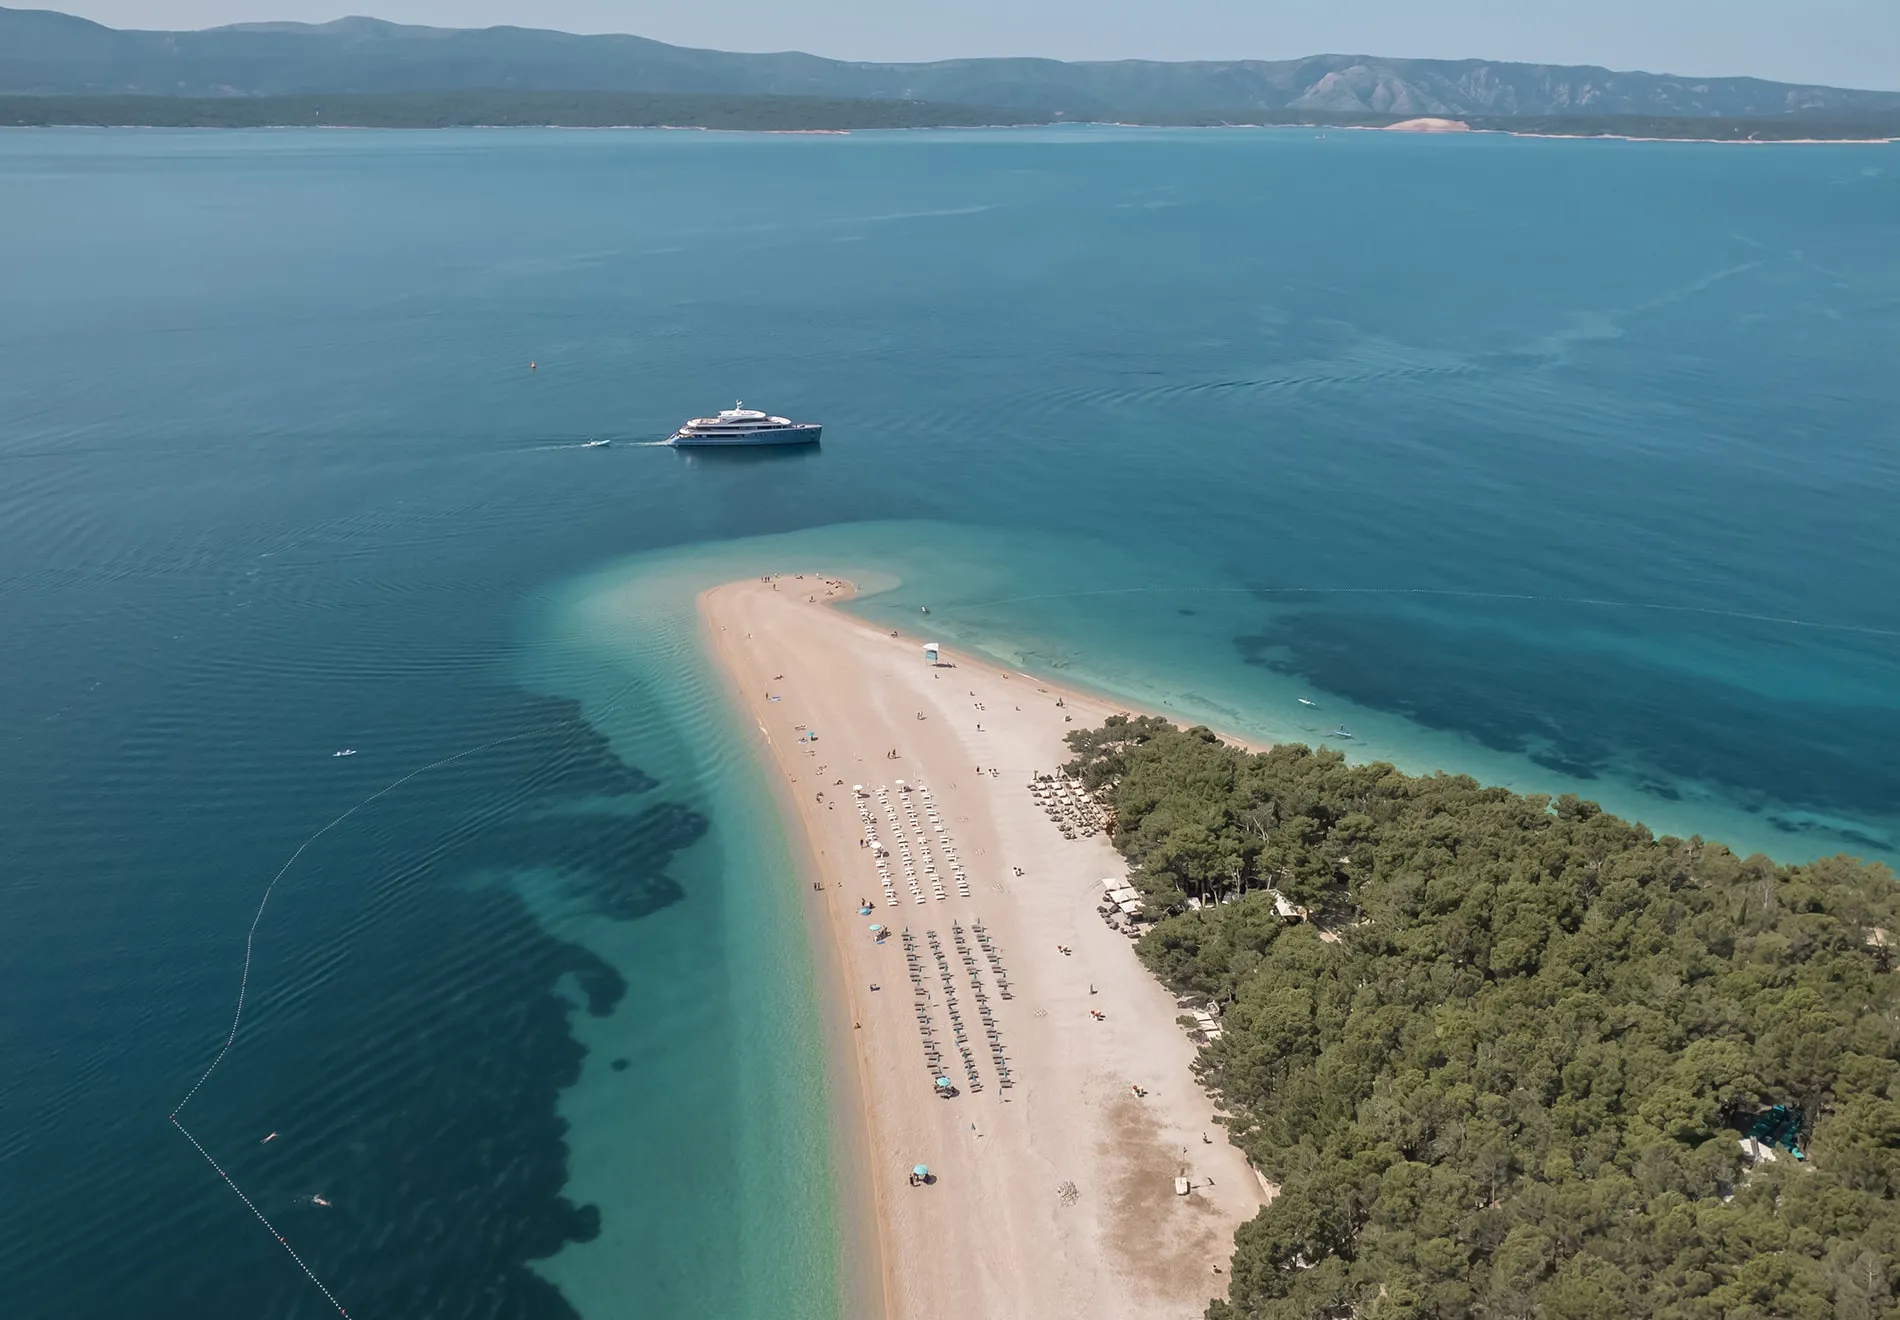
(501, 109)
(1433, 126)
(811, 114)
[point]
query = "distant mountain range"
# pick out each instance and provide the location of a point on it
(48, 53)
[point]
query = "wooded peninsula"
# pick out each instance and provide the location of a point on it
(1511, 1056)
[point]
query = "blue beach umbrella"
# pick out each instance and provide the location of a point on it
(921, 1170)
(943, 1083)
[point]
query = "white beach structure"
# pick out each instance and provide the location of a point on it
(1123, 895)
(931, 651)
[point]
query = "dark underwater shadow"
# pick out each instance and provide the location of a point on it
(1588, 715)
(410, 1040)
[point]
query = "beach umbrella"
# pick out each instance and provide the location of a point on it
(875, 928)
(921, 1170)
(943, 1083)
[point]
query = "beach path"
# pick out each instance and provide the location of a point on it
(1055, 1195)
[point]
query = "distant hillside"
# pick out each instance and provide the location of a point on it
(42, 52)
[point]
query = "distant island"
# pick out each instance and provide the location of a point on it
(492, 108)
(49, 54)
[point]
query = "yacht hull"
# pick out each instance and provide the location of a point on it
(803, 433)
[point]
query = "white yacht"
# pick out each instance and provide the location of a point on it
(740, 425)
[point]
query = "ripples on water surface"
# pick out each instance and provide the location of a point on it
(1569, 464)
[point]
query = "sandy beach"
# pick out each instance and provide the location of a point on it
(1053, 1169)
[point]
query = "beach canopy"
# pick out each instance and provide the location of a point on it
(921, 1170)
(943, 1083)
(875, 927)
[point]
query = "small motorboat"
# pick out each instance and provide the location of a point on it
(318, 1200)
(347, 751)
(1341, 732)
(596, 444)
(1305, 702)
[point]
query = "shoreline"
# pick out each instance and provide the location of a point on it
(863, 1255)
(1053, 1186)
(1466, 131)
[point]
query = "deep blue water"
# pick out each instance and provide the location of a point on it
(1570, 464)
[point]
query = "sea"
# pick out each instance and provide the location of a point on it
(356, 744)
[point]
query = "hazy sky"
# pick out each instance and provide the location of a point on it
(1853, 43)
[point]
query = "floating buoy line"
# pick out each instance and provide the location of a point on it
(244, 985)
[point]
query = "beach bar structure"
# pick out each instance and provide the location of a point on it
(931, 651)
(1123, 895)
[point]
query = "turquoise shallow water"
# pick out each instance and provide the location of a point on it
(1571, 465)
